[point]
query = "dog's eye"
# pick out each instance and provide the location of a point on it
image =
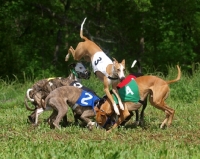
(80, 67)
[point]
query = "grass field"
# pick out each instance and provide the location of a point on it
(20, 140)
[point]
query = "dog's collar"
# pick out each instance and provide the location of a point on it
(74, 73)
(75, 106)
(112, 78)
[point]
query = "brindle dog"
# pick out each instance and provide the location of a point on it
(42, 88)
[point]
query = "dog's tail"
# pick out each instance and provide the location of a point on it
(26, 104)
(178, 76)
(27, 95)
(81, 31)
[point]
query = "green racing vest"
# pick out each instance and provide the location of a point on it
(128, 90)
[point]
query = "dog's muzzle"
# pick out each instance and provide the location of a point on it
(121, 79)
(84, 75)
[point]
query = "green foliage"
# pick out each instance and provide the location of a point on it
(35, 35)
(20, 140)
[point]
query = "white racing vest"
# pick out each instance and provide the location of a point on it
(100, 61)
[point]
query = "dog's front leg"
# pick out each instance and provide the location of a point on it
(106, 89)
(123, 115)
(112, 101)
(115, 91)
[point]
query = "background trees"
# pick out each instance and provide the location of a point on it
(35, 35)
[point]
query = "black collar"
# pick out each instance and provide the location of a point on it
(112, 78)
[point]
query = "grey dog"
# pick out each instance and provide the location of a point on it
(82, 102)
(39, 91)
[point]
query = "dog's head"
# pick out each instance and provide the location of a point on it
(79, 70)
(103, 115)
(119, 69)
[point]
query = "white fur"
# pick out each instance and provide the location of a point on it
(133, 64)
(27, 94)
(79, 67)
(51, 84)
(40, 111)
(121, 75)
(121, 105)
(101, 64)
(83, 23)
(116, 109)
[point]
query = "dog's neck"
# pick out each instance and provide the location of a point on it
(113, 75)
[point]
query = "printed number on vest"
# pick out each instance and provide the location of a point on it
(78, 85)
(88, 97)
(97, 61)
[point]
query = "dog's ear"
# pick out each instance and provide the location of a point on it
(96, 109)
(115, 61)
(72, 65)
(123, 62)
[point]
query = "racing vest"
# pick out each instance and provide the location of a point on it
(128, 90)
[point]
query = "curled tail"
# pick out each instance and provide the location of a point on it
(27, 95)
(30, 99)
(27, 106)
(178, 76)
(81, 31)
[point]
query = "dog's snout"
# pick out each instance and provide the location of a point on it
(121, 79)
(88, 73)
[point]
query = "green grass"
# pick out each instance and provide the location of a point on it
(20, 140)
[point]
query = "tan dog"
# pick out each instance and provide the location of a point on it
(158, 91)
(110, 73)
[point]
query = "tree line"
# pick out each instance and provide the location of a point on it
(35, 35)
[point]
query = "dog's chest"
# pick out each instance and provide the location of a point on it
(112, 81)
(100, 61)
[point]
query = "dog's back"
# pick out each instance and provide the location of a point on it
(68, 94)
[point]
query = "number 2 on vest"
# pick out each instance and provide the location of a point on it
(88, 97)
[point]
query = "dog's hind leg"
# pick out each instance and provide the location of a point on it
(70, 51)
(61, 114)
(141, 120)
(59, 105)
(52, 118)
(169, 117)
(157, 100)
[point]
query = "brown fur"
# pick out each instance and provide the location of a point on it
(40, 91)
(86, 50)
(62, 97)
(158, 91)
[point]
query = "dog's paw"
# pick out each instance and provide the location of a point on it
(56, 126)
(121, 105)
(90, 125)
(116, 109)
(136, 123)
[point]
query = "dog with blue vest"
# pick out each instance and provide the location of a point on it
(82, 102)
